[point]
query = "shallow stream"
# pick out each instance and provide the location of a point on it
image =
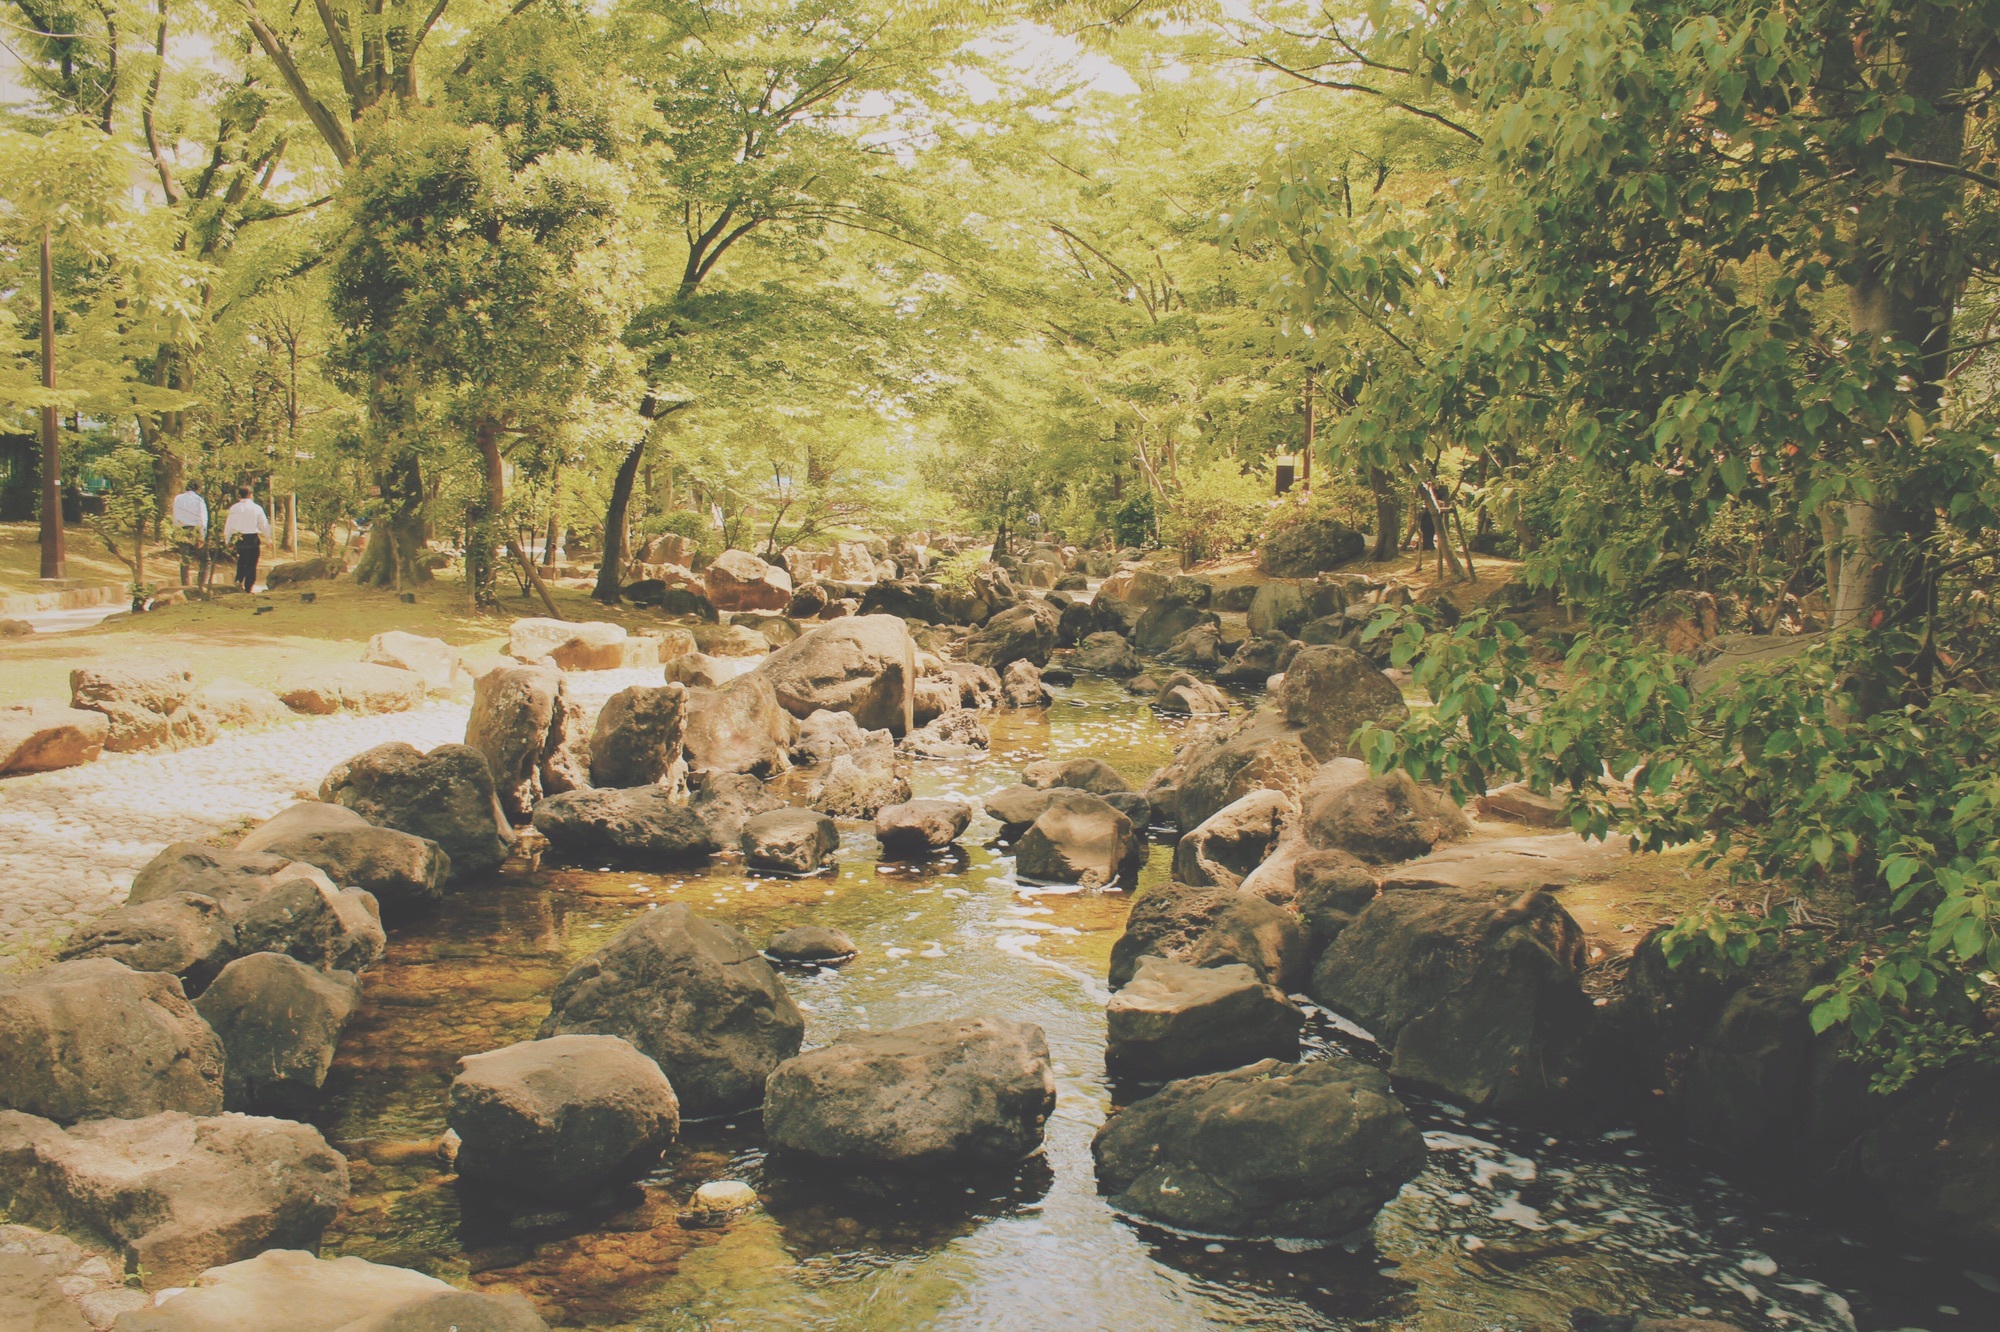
(1507, 1228)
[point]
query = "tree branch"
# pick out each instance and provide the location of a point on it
(1341, 86)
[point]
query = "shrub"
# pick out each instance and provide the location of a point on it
(1218, 508)
(1133, 520)
(1305, 537)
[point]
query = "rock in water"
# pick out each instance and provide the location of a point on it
(739, 728)
(279, 1022)
(177, 1193)
(919, 827)
(1172, 1020)
(790, 841)
(293, 1291)
(307, 918)
(1228, 761)
(695, 997)
(1188, 695)
(865, 665)
(1474, 993)
(1208, 927)
(1384, 819)
(860, 787)
(1080, 839)
(405, 873)
(185, 935)
(1021, 686)
(560, 1117)
(227, 876)
(825, 736)
(811, 943)
(94, 1039)
(1107, 653)
(445, 795)
(637, 740)
(522, 723)
(963, 1092)
(644, 826)
(1234, 840)
(1078, 774)
(1329, 691)
(1306, 1151)
(1026, 632)
(955, 734)
(724, 801)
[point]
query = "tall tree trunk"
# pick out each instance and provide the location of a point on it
(396, 538)
(1388, 515)
(55, 561)
(617, 534)
(487, 433)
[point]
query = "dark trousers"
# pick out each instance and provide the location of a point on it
(246, 561)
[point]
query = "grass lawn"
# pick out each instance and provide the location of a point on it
(225, 639)
(84, 553)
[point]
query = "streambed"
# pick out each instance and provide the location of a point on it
(1506, 1228)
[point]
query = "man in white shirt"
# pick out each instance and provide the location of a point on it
(190, 513)
(249, 526)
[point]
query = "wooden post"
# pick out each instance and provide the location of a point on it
(55, 563)
(1306, 454)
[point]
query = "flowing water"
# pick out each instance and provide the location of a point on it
(1507, 1228)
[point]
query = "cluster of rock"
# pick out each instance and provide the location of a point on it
(128, 706)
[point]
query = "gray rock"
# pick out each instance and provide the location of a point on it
(175, 1192)
(1208, 927)
(1234, 840)
(1018, 806)
(1132, 805)
(694, 996)
(978, 686)
(405, 873)
(320, 691)
(1221, 765)
(227, 876)
(789, 841)
(1473, 993)
(739, 728)
(1078, 774)
(643, 826)
(964, 1092)
(1025, 632)
(919, 827)
(1172, 1020)
(1383, 819)
(92, 1038)
(825, 736)
(811, 943)
(739, 581)
(279, 1022)
(1185, 694)
(522, 724)
(292, 1290)
(306, 917)
(637, 739)
(185, 935)
(1257, 660)
(955, 734)
(699, 670)
(1278, 607)
(933, 697)
(1331, 888)
(724, 800)
(865, 665)
(445, 795)
(560, 1117)
(1107, 653)
(1308, 1151)
(1330, 691)
(150, 704)
(1021, 686)
(1082, 840)
(1200, 647)
(1166, 620)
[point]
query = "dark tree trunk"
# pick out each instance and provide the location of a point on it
(1388, 516)
(393, 555)
(617, 532)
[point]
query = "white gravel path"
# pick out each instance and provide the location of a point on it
(70, 841)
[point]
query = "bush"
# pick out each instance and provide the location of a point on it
(1218, 508)
(1133, 520)
(680, 522)
(1302, 538)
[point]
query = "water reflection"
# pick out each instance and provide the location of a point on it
(1507, 1227)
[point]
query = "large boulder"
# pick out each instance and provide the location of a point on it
(1211, 927)
(1307, 544)
(724, 801)
(185, 935)
(860, 786)
(1172, 1020)
(933, 696)
(304, 916)
(524, 723)
(597, 645)
(740, 727)
(1188, 695)
(1134, 585)
(560, 1117)
(1107, 653)
(701, 671)
(1473, 993)
(739, 581)
(50, 1283)
(978, 686)
(966, 1092)
(1166, 620)
(642, 826)
(92, 1038)
(1080, 839)
(292, 1290)
(789, 841)
(176, 1193)
(1330, 691)
(637, 739)
(230, 877)
(1023, 632)
(1330, 889)
(695, 997)
(1279, 608)
(1017, 807)
(1021, 686)
(320, 691)
(1225, 847)
(865, 665)
(1078, 774)
(403, 872)
(41, 737)
(446, 795)
(1511, 864)
(955, 734)
(279, 1022)
(1934, 1161)
(1226, 762)
(825, 736)
(151, 704)
(440, 665)
(919, 827)
(1383, 819)
(1257, 660)
(1289, 1151)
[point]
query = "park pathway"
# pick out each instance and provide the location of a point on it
(70, 841)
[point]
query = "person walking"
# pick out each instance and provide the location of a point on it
(190, 512)
(249, 525)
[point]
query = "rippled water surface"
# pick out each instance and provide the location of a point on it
(1507, 1228)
